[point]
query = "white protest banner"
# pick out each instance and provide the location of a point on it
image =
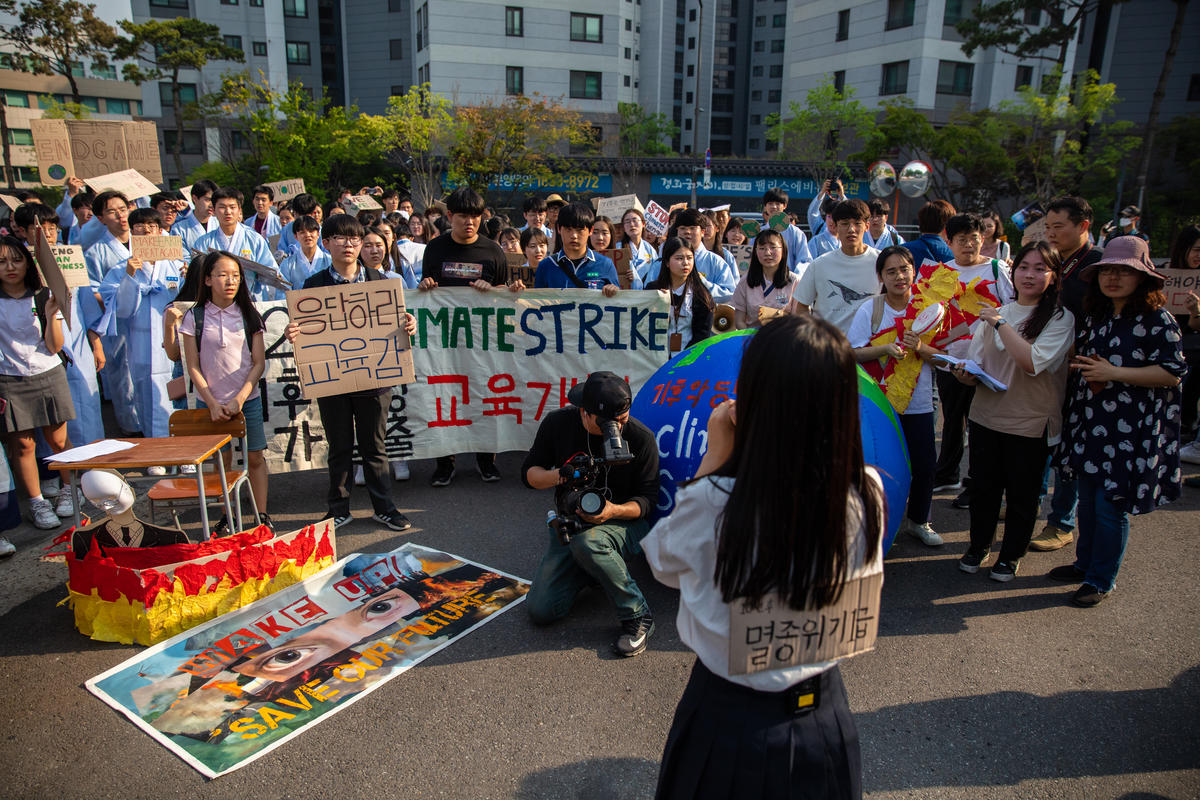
(70, 260)
(128, 182)
(156, 248)
(657, 219)
(286, 190)
(614, 207)
(361, 202)
(44, 255)
(775, 636)
(1179, 283)
(88, 148)
(351, 337)
(489, 367)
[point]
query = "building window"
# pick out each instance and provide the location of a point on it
(239, 140)
(722, 79)
(295, 8)
(628, 24)
(721, 126)
(187, 94)
(229, 2)
(233, 41)
(398, 91)
(756, 94)
(1194, 89)
(726, 31)
(691, 43)
(105, 73)
(723, 55)
(298, 53)
(260, 48)
(843, 30)
(1024, 77)
(422, 26)
(26, 174)
(514, 80)
(256, 3)
(514, 21)
(756, 71)
(21, 136)
(16, 99)
(773, 96)
(722, 102)
(760, 22)
(754, 144)
(628, 80)
(777, 45)
(958, 10)
(776, 71)
(395, 49)
(954, 77)
(839, 81)
(900, 14)
(628, 54)
(688, 99)
(585, 85)
(395, 6)
(678, 93)
(192, 143)
(170, 3)
(687, 124)
(679, 62)
(760, 46)
(895, 78)
(755, 119)
(691, 15)
(423, 74)
(778, 20)
(1033, 16)
(587, 28)
(691, 70)
(115, 106)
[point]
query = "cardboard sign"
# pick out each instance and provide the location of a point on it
(53, 274)
(751, 228)
(286, 190)
(517, 271)
(776, 636)
(268, 275)
(186, 191)
(614, 207)
(88, 148)
(780, 222)
(361, 202)
(741, 254)
(657, 219)
(156, 248)
(351, 337)
(128, 182)
(72, 263)
(620, 259)
(1179, 283)
(10, 201)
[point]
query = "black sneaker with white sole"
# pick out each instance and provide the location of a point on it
(338, 519)
(1004, 571)
(972, 560)
(635, 634)
(395, 520)
(442, 475)
(489, 473)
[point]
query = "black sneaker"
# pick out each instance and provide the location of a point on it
(1004, 571)
(338, 519)
(635, 634)
(489, 473)
(265, 519)
(963, 500)
(1088, 596)
(972, 561)
(395, 520)
(1068, 573)
(442, 475)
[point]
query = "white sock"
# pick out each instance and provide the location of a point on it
(37, 499)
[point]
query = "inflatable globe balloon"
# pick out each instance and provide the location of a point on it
(676, 401)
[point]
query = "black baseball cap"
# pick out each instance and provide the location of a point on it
(604, 394)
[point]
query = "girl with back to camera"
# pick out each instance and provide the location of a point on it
(745, 532)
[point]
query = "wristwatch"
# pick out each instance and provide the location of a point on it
(999, 322)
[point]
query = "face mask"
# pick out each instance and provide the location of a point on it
(1126, 222)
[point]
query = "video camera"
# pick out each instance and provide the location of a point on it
(578, 493)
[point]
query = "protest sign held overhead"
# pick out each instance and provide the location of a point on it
(89, 148)
(614, 207)
(286, 190)
(361, 202)
(128, 182)
(10, 201)
(657, 219)
(156, 248)
(351, 337)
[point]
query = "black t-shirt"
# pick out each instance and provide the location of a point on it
(562, 435)
(453, 264)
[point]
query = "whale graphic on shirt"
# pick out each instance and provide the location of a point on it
(849, 295)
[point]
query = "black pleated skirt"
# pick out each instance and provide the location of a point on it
(730, 741)
(36, 401)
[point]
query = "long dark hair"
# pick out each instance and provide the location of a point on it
(754, 275)
(33, 279)
(663, 281)
(1049, 305)
(192, 279)
(387, 262)
(1183, 242)
(241, 299)
(785, 531)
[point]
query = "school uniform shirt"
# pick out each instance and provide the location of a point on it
(24, 353)
(691, 320)
(836, 284)
(106, 263)
(682, 552)
(225, 356)
(296, 268)
(190, 229)
(989, 270)
(593, 269)
(799, 250)
(89, 233)
(88, 425)
(287, 241)
(249, 245)
(860, 334)
(265, 228)
(640, 256)
(719, 278)
(413, 253)
(549, 233)
(824, 242)
(889, 238)
(141, 300)
(106, 254)
(929, 247)
(748, 299)
(453, 264)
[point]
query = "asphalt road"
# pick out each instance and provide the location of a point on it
(977, 689)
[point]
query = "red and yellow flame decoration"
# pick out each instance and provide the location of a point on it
(936, 283)
(148, 594)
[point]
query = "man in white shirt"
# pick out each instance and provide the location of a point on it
(837, 283)
(265, 221)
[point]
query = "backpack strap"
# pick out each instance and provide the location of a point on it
(198, 319)
(876, 312)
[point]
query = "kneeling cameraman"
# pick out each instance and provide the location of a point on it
(604, 488)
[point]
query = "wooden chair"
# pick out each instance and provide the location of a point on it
(183, 489)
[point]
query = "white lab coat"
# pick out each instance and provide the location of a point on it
(141, 301)
(109, 256)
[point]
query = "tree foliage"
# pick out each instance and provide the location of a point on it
(416, 130)
(163, 47)
(52, 36)
(640, 134)
(823, 132)
(1026, 28)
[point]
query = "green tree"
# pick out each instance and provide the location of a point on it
(166, 46)
(640, 134)
(822, 132)
(1017, 27)
(525, 136)
(55, 37)
(417, 130)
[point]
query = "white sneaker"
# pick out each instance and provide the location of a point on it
(1190, 453)
(156, 472)
(924, 532)
(400, 470)
(359, 480)
(43, 515)
(6, 548)
(187, 469)
(50, 488)
(65, 509)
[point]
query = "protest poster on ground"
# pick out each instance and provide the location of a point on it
(488, 367)
(90, 148)
(128, 182)
(286, 190)
(614, 207)
(1179, 283)
(231, 690)
(52, 274)
(351, 337)
(657, 219)
(156, 248)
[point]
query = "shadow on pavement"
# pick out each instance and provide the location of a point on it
(594, 779)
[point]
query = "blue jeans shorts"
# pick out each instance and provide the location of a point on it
(256, 437)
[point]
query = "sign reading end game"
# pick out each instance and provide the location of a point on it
(351, 337)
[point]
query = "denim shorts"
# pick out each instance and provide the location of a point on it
(256, 438)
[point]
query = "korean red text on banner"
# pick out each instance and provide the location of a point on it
(351, 337)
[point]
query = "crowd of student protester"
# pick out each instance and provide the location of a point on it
(1096, 363)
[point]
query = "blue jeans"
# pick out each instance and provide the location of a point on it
(1063, 501)
(595, 555)
(1103, 534)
